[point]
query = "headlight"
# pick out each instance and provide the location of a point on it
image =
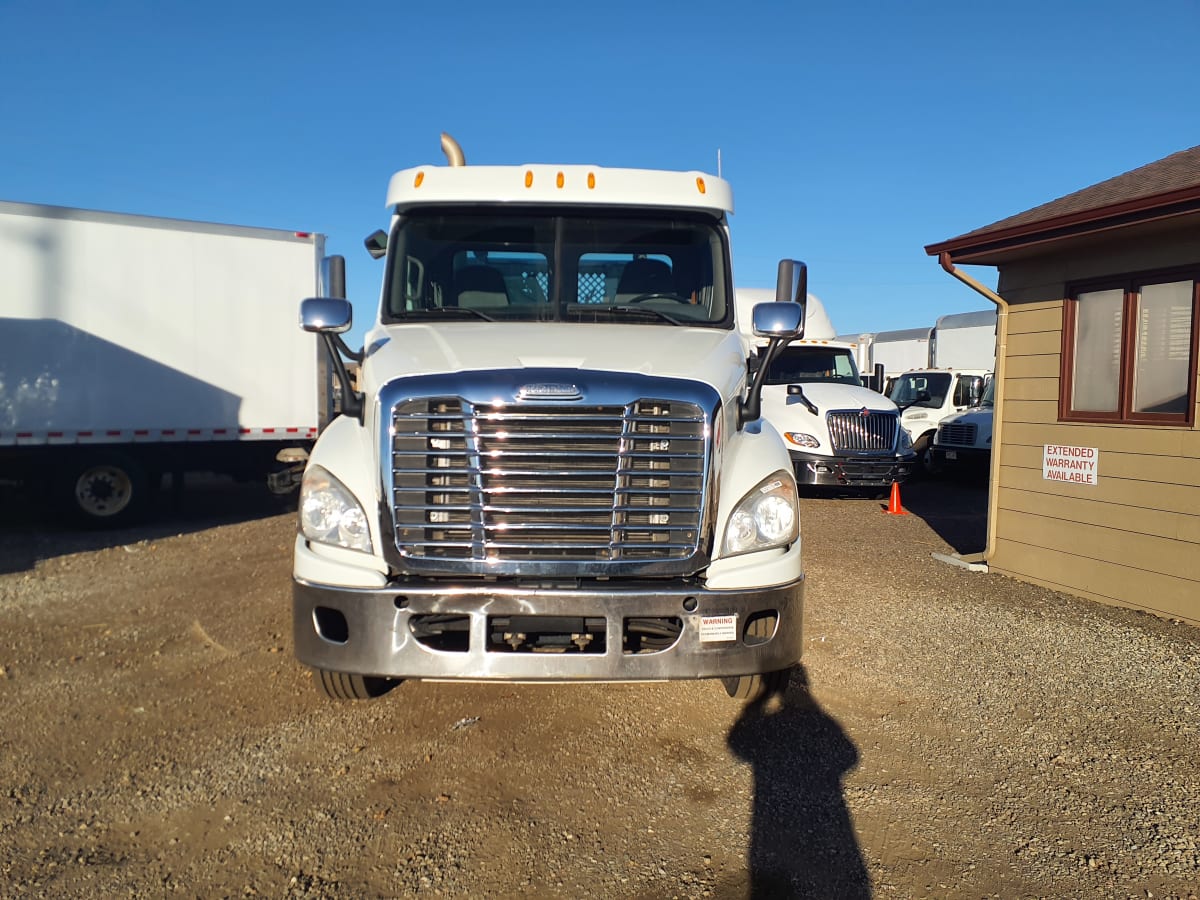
(329, 514)
(802, 440)
(905, 440)
(766, 517)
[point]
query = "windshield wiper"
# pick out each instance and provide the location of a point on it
(643, 312)
(468, 311)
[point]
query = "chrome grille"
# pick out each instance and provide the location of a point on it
(851, 431)
(956, 435)
(547, 482)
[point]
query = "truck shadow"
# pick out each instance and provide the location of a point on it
(954, 508)
(32, 529)
(802, 842)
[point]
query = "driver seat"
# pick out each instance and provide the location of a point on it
(643, 275)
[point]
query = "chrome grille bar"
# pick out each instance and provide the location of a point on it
(851, 431)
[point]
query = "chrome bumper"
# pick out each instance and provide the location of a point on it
(851, 471)
(370, 631)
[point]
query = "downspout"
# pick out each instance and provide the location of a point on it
(998, 406)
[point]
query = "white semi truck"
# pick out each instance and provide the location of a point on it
(963, 443)
(556, 470)
(840, 435)
(136, 346)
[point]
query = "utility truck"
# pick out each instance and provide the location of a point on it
(839, 434)
(136, 346)
(963, 443)
(556, 469)
(963, 356)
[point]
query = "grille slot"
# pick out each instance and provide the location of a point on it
(547, 482)
(957, 435)
(851, 431)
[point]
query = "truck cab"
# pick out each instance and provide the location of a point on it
(839, 434)
(963, 443)
(925, 397)
(556, 470)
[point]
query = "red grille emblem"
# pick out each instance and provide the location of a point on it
(864, 413)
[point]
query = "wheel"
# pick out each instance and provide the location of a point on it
(754, 687)
(346, 686)
(106, 490)
(762, 684)
(657, 295)
(924, 449)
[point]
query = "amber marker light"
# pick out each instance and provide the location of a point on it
(591, 181)
(700, 186)
(528, 178)
(417, 181)
(559, 180)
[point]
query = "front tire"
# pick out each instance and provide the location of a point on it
(347, 686)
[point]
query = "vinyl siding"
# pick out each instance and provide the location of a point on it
(1132, 539)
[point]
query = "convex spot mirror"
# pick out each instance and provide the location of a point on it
(331, 315)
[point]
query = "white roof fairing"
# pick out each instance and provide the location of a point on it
(550, 184)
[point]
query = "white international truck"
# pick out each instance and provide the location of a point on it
(556, 470)
(962, 358)
(137, 346)
(963, 443)
(840, 435)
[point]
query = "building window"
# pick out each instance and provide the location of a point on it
(1130, 349)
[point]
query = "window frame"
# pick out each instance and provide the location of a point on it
(1130, 285)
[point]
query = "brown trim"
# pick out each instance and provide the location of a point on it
(1130, 285)
(1103, 218)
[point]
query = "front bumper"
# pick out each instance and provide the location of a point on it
(370, 631)
(964, 458)
(851, 471)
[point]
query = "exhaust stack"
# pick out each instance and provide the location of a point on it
(454, 153)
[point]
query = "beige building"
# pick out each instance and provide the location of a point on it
(1095, 479)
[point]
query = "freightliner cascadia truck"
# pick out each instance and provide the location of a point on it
(556, 469)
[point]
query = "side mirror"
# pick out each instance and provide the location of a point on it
(791, 282)
(376, 243)
(326, 315)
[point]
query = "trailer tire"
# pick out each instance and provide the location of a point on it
(347, 686)
(106, 490)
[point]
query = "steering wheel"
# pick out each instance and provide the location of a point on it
(657, 295)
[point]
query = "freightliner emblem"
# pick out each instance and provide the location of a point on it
(548, 392)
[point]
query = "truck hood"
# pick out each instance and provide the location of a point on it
(828, 396)
(709, 355)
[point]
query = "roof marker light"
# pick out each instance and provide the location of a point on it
(700, 185)
(591, 181)
(417, 181)
(559, 180)
(528, 178)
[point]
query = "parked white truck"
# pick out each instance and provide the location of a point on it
(556, 470)
(136, 346)
(963, 443)
(839, 434)
(963, 356)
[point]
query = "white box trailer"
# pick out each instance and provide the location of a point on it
(965, 341)
(899, 351)
(136, 346)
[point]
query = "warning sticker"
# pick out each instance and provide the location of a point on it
(718, 628)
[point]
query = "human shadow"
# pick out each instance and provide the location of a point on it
(802, 842)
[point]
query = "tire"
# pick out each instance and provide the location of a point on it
(108, 490)
(924, 450)
(756, 687)
(761, 684)
(347, 686)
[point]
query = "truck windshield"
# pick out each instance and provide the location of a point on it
(801, 364)
(989, 394)
(908, 387)
(562, 264)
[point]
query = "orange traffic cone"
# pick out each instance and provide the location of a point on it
(894, 508)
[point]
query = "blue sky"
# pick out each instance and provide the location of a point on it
(853, 133)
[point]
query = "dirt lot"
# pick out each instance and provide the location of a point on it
(952, 734)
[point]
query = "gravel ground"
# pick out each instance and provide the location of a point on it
(951, 734)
